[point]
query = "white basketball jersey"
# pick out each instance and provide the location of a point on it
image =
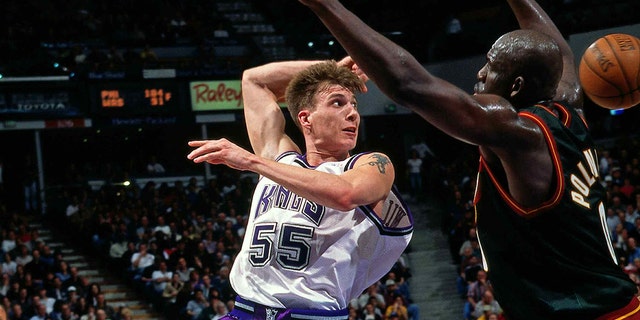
(299, 254)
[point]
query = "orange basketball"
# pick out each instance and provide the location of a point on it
(610, 71)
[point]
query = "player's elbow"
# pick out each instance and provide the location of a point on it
(343, 203)
(248, 76)
(344, 200)
(349, 199)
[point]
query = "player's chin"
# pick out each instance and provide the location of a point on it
(352, 145)
(478, 88)
(349, 143)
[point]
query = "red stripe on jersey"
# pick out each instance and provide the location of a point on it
(555, 158)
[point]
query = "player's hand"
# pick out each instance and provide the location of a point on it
(221, 151)
(349, 63)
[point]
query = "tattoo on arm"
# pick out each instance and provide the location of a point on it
(379, 161)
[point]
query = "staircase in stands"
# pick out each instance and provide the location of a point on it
(117, 292)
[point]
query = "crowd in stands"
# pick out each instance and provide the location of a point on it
(619, 172)
(85, 36)
(81, 36)
(38, 283)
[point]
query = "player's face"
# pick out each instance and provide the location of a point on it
(492, 78)
(335, 119)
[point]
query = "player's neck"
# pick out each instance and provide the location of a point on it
(317, 157)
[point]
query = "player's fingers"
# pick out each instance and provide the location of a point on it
(196, 143)
(202, 150)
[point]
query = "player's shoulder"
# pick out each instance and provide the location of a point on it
(377, 160)
(372, 158)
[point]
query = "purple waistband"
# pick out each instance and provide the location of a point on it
(245, 309)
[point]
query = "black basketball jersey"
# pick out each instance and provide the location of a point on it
(555, 261)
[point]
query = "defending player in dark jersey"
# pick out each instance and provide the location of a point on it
(538, 180)
(553, 261)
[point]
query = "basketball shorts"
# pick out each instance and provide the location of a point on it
(247, 310)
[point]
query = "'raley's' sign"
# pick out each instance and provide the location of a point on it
(216, 95)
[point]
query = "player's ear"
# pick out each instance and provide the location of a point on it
(303, 117)
(516, 87)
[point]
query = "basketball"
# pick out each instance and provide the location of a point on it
(610, 71)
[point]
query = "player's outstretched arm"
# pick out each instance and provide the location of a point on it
(368, 182)
(405, 80)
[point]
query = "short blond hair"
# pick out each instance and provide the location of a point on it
(304, 87)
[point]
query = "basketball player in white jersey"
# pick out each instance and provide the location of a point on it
(324, 224)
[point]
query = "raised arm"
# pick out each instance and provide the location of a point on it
(263, 88)
(405, 80)
(531, 16)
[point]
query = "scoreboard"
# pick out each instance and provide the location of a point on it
(139, 98)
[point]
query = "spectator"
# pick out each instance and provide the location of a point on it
(222, 282)
(41, 312)
(8, 265)
(9, 242)
(414, 172)
(633, 249)
(466, 259)
(65, 313)
(396, 308)
(170, 295)
(161, 277)
(74, 300)
(73, 207)
(25, 256)
(216, 310)
(371, 294)
(5, 285)
(194, 281)
(102, 314)
(91, 313)
(196, 304)
(37, 268)
(125, 314)
(422, 148)
(370, 312)
(471, 270)
(153, 167)
(57, 291)
(62, 271)
(476, 292)
(17, 312)
(102, 305)
(75, 280)
(182, 270)
(631, 214)
(162, 227)
(141, 260)
(205, 285)
(486, 305)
